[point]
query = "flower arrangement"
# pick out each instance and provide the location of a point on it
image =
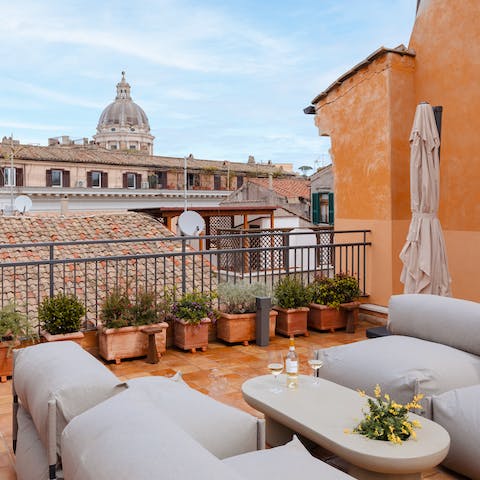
(193, 307)
(240, 297)
(342, 288)
(388, 420)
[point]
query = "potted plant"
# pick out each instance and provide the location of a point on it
(332, 301)
(192, 314)
(236, 320)
(14, 329)
(122, 333)
(291, 304)
(59, 318)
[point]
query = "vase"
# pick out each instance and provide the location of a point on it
(292, 321)
(190, 337)
(241, 327)
(129, 342)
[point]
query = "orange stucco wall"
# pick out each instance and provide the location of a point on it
(369, 118)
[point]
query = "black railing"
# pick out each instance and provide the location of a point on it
(89, 269)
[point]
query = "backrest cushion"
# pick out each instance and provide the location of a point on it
(291, 460)
(129, 436)
(220, 428)
(402, 366)
(30, 457)
(458, 411)
(62, 371)
(450, 321)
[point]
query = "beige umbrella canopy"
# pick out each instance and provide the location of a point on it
(425, 268)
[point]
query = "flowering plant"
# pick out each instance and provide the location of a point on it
(193, 307)
(388, 420)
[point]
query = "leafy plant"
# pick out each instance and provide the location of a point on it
(388, 420)
(240, 297)
(14, 326)
(290, 292)
(119, 311)
(342, 288)
(61, 314)
(193, 307)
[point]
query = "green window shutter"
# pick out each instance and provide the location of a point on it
(316, 208)
(331, 209)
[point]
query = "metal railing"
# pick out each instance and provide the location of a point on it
(90, 269)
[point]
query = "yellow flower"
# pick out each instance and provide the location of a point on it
(361, 392)
(387, 397)
(416, 424)
(377, 391)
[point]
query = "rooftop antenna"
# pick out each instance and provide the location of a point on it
(185, 182)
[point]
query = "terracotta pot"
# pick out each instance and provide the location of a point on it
(191, 337)
(129, 342)
(292, 321)
(322, 317)
(76, 337)
(241, 327)
(6, 361)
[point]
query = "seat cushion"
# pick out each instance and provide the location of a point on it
(286, 462)
(30, 457)
(450, 321)
(129, 436)
(220, 428)
(402, 366)
(62, 371)
(458, 411)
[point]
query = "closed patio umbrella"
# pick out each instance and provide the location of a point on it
(425, 268)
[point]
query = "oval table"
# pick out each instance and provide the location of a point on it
(322, 412)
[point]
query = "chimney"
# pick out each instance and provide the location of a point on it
(270, 181)
(64, 206)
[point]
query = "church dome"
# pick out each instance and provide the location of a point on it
(123, 112)
(123, 125)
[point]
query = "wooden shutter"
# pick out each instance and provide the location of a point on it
(2, 177)
(138, 180)
(66, 178)
(331, 209)
(48, 178)
(19, 177)
(89, 179)
(104, 180)
(316, 208)
(125, 180)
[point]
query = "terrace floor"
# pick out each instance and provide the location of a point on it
(218, 372)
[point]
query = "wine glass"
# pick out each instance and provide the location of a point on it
(315, 361)
(275, 365)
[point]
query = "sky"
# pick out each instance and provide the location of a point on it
(220, 79)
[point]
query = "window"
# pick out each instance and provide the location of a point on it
(217, 182)
(96, 179)
(132, 146)
(57, 178)
(193, 180)
(9, 177)
(131, 180)
(239, 181)
(113, 146)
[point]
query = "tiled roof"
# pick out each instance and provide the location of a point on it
(93, 154)
(286, 187)
(88, 279)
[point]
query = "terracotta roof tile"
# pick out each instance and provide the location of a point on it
(286, 187)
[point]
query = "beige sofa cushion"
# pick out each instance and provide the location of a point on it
(450, 321)
(62, 371)
(220, 428)
(31, 457)
(283, 463)
(130, 437)
(402, 366)
(458, 411)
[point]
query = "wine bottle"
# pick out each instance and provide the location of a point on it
(291, 365)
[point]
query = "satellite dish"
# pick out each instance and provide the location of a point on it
(191, 223)
(23, 203)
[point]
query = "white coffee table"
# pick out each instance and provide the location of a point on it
(322, 412)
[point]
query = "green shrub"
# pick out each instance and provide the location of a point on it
(193, 307)
(61, 314)
(240, 297)
(290, 292)
(342, 288)
(14, 326)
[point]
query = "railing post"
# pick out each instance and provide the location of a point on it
(51, 271)
(262, 324)
(184, 268)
